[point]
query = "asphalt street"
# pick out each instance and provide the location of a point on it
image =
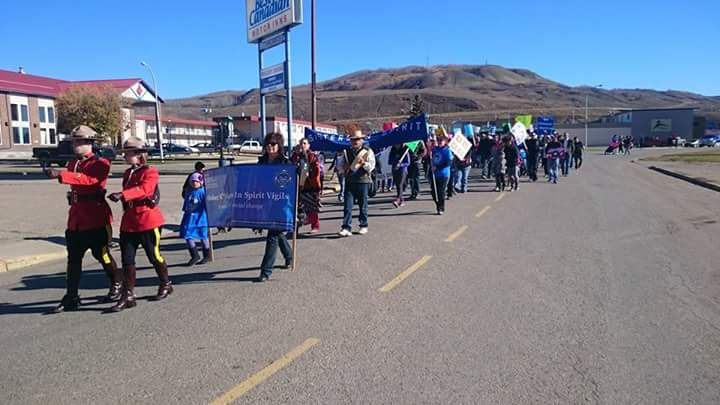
(604, 288)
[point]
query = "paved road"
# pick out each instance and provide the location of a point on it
(601, 289)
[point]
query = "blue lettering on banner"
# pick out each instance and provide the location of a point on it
(266, 9)
(544, 125)
(415, 129)
(252, 196)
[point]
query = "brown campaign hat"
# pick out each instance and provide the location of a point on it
(357, 135)
(134, 144)
(83, 132)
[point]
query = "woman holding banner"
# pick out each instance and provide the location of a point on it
(441, 162)
(274, 155)
(310, 184)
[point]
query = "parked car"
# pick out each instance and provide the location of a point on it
(172, 149)
(63, 153)
(710, 141)
(250, 147)
(692, 144)
(677, 141)
(205, 147)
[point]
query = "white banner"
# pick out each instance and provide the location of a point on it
(520, 132)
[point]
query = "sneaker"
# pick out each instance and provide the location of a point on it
(396, 204)
(497, 188)
(345, 233)
(363, 231)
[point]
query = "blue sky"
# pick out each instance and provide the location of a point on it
(196, 47)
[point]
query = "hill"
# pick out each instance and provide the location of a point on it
(449, 92)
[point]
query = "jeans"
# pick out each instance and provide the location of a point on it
(399, 176)
(451, 181)
(414, 179)
(341, 180)
(552, 169)
(531, 167)
(564, 165)
(578, 162)
(272, 241)
(353, 191)
(485, 165)
(439, 197)
(461, 182)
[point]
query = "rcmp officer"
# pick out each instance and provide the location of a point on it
(141, 222)
(89, 219)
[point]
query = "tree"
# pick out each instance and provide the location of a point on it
(417, 106)
(99, 107)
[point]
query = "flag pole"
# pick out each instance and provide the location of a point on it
(295, 228)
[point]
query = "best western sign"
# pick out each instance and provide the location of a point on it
(265, 17)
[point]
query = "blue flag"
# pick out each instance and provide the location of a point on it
(415, 129)
(252, 196)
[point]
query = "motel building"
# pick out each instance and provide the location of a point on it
(248, 127)
(28, 116)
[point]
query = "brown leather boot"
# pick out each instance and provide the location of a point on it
(165, 288)
(127, 300)
(115, 277)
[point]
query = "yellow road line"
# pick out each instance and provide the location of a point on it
(482, 211)
(245, 386)
(405, 274)
(457, 233)
(500, 197)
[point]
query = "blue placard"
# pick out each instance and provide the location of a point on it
(252, 196)
(544, 125)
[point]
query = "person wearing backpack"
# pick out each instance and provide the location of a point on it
(141, 222)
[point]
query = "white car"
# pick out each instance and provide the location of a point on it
(251, 147)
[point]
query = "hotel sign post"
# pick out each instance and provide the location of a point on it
(268, 25)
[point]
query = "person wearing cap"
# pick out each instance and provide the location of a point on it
(357, 182)
(194, 224)
(141, 221)
(441, 161)
(89, 219)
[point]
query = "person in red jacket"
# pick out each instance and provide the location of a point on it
(310, 183)
(89, 219)
(141, 222)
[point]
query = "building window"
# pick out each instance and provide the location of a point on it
(24, 113)
(41, 114)
(21, 136)
(51, 115)
(14, 115)
(53, 136)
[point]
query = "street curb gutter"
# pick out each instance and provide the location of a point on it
(692, 180)
(16, 263)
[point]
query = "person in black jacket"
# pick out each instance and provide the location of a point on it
(274, 155)
(511, 161)
(485, 152)
(533, 149)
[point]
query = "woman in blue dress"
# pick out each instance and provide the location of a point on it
(194, 225)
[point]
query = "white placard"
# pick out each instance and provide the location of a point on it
(460, 146)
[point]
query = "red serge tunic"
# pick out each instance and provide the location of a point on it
(138, 188)
(87, 178)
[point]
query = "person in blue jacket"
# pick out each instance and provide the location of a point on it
(194, 225)
(441, 161)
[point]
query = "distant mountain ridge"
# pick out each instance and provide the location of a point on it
(448, 91)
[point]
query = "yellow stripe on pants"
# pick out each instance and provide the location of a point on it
(158, 257)
(104, 250)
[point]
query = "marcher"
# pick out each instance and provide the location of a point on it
(441, 162)
(338, 167)
(194, 224)
(89, 218)
(361, 163)
(532, 148)
(578, 152)
(512, 157)
(141, 222)
(553, 152)
(187, 185)
(416, 166)
(485, 150)
(498, 166)
(569, 146)
(463, 172)
(310, 184)
(399, 161)
(274, 155)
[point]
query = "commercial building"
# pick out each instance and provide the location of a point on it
(28, 117)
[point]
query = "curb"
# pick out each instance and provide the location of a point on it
(691, 180)
(20, 262)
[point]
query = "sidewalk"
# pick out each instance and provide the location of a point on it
(20, 254)
(702, 174)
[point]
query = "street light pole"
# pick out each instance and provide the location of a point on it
(158, 128)
(587, 102)
(313, 77)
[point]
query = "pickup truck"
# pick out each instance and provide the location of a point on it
(63, 153)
